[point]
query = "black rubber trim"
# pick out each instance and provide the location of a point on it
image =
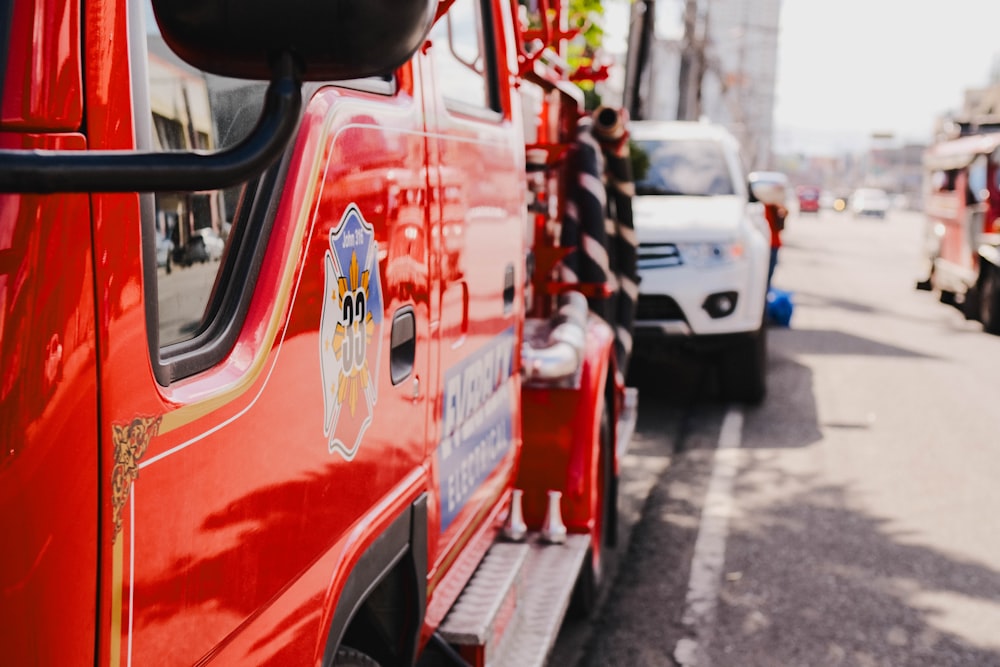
(6, 19)
(405, 540)
(417, 563)
(490, 60)
(235, 285)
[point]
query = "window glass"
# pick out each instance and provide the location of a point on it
(192, 110)
(458, 57)
(978, 179)
(684, 167)
(944, 181)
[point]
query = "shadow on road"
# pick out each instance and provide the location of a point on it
(812, 582)
(832, 341)
(809, 579)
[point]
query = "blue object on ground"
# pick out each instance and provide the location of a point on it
(779, 307)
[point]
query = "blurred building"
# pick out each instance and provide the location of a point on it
(738, 89)
(182, 121)
(720, 64)
(980, 112)
(897, 169)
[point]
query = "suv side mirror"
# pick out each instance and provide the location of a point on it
(286, 41)
(768, 187)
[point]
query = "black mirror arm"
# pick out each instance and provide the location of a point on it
(44, 171)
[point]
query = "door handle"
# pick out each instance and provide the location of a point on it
(402, 344)
(508, 289)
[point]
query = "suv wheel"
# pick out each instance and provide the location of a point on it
(744, 368)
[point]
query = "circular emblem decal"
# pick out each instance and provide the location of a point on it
(350, 332)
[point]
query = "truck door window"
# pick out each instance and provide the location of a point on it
(189, 110)
(978, 180)
(460, 59)
(940, 182)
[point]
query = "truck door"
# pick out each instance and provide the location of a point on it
(476, 155)
(263, 405)
(48, 356)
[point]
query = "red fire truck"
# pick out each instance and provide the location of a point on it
(386, 425)
(963, 225)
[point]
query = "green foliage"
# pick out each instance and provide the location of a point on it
(585, 16)
(591, 98)
(640, 161)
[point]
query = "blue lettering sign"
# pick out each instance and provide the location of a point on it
(476, 420)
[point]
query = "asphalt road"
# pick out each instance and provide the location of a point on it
(852, 518)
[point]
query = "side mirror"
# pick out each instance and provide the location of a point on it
(329, 39)
(285, 41)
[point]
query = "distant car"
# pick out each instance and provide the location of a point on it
(808, 198)
(214, 245)
(871, 202)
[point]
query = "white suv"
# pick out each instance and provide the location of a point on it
(704, 247)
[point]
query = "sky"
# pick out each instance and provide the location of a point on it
(851, 68)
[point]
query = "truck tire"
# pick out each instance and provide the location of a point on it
(972, 303)
(588, 583)
(348, 657)
(743, 376)
(989, 299)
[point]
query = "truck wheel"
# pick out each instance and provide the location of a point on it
(348, 657)
(972, 303)
(744, 368)
(989, 299)
(588, 582)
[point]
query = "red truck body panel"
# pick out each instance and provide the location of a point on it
(44, 78)
(220, 516)
(49, 482)
(48, 415)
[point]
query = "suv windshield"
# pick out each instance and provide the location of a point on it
(682, 167)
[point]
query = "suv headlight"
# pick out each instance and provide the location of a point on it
(708, 254)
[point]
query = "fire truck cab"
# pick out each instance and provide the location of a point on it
(962, 185)
(387, 423)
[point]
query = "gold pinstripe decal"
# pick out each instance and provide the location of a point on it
(117, 558)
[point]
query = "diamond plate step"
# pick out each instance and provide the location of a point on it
(515, 603)
(488, 603)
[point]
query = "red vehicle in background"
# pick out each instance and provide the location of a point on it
(315, 450)
(808, 197)
(962, 249)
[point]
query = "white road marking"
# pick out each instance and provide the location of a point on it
(710, 546)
